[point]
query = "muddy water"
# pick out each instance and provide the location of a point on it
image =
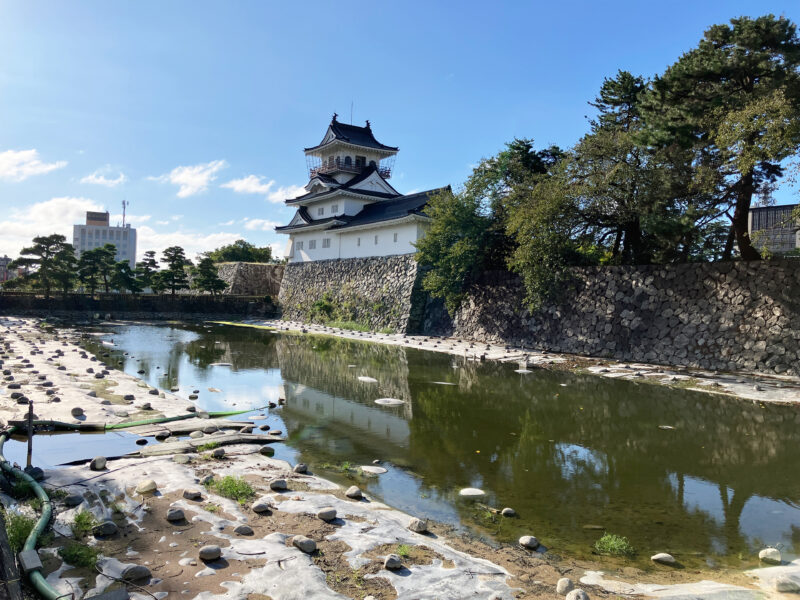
(710, 480)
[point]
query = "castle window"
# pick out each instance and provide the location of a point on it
(334, 208)
(395, 237)
(361, 161)
(326, 242)
(358, 241)
(312, 244)
(320, 211)
(376, 240)
(348, 162)
(299, 245)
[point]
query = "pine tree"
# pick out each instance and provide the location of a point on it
(174, 277)
(206, 277)
(147, 269)
(124, 278)
(42, 259)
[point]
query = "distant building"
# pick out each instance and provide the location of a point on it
(5, 273)
(350, 210)
(773, 227)
(97, 232)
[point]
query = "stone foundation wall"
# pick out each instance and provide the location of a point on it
(725, 316)
(251, 279)
(376, 291)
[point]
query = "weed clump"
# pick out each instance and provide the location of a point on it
(614, 545)
(84, 521)
(235, 488)
(79, 555)
(18, 528)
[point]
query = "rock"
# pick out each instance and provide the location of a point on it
(278, 485)
(146, 486)
(196, 434)
(243, 530)
(162, 435)
(191, 409)
(105, 402)
(392, 562)
(528, 541)
(210, 429)
(267, 450)
(193, 396)
(564, 586)
(76, 411)
(218, 453)
(129, 397)
(770, 555)
(141, 442)
(35, 472)
(73, 500)
(786, 585)
(300, 468)
(136, 572)
(98, 463)
(418, 525)
(180, 459)
(175, 514)
(508, 512)
(471, 493)
(663, 558)
(192, 494)
(327, 514)
(153, 392)
(577, 595)
(121, 413)
(354, 492)
(246, 429)
(261, 506)
(274, 432)
(104, 529)
(304, 544)
(210, 552)
(147, 406)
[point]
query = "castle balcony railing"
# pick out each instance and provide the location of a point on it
(342, 167)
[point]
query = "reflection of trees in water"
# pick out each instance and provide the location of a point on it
(592, 451)
(242, 347)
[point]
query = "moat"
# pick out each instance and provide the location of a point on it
(706, 478)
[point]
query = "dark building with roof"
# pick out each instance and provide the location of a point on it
(775, 228)
(349, 209)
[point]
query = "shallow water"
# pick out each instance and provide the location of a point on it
(574, 455)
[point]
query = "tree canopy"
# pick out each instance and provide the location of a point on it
(241, 251)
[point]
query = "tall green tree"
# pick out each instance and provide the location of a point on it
(206, 277)
(42, 259)
(146, 269)
(124, 278)
(734, 101)
(174, 276)
(106, 261)
(241, 251)
(89, 270)
(65, 271)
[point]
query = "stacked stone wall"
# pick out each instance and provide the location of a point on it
(251, 279)
(375, 292)
(725, 316)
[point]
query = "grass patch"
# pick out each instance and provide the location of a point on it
(18, 528)
(386, 330)
(234, 488)
(403, 550)
(212, 508)
(614, 545)
(344, 467)
(84, 521)
(208, 446)
(21, 490)
(351, 325)
(79, 555)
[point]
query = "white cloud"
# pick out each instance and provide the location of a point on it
(227, 223)
(193, 179)
(260, 225)
(56, 215)
(193, 243)
(162, 222)
(255, 184)
(129, 219)
(176, 217)
(278, 249)
(99, 178)
(18, 165)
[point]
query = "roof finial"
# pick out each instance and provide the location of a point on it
(368, 126)
(333, 120)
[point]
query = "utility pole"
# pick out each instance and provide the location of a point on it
(124, 206)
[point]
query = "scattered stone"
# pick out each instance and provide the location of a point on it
(243, 530)
(786, 585)
(153, 392)
(663, 558)
(192, 494)
(180, 459)
(246, 429)
(304, 544)
(275, 432)
(327, 514)
(210, 429)
(354, 492)
(98, 463)
(300, 468)
(218, 453)
(147, 486)
(193, 396)
(210, 552)
(577, 595)
(564, 586)
(175, 514)
(141, 442)
(529, 542)
(418, 525)
(105, 529)
(278, 485)
(508, 512)
(129, 397)
(196, 434)
(35, 472)
(372, 470)
(392, 562)
(136, 572)
(105, 402)
(147, 406)
(76, 411)
(471, 493)
(261, 506)
(770, 555)
(73, 500)
(191, 409)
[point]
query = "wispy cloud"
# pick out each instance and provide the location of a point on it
(162, 222)
(260, 225)
(256, 184)
(192, 179)
(99, 178)
(227, 223)
(18, 165)
(192, 242)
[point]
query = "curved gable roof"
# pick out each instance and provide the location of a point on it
(351, 134)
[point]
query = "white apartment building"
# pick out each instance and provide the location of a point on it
(97, 232)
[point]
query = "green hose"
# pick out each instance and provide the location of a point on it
(35, 576)
(107, 427)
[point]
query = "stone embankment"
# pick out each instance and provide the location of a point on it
(251, 279)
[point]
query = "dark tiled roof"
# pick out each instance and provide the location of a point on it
(355, 180)
(312, 223)
(353, 134)
(390, 209)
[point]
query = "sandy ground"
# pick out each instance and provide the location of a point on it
(54, 372)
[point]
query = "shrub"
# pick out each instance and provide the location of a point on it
(614, 545)
(18, 528)
(79, 555)
(234, 488)
(84, 521)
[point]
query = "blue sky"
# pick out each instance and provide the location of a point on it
(197, 112)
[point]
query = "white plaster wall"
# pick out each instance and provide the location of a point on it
(386, 246)
(319, 253)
